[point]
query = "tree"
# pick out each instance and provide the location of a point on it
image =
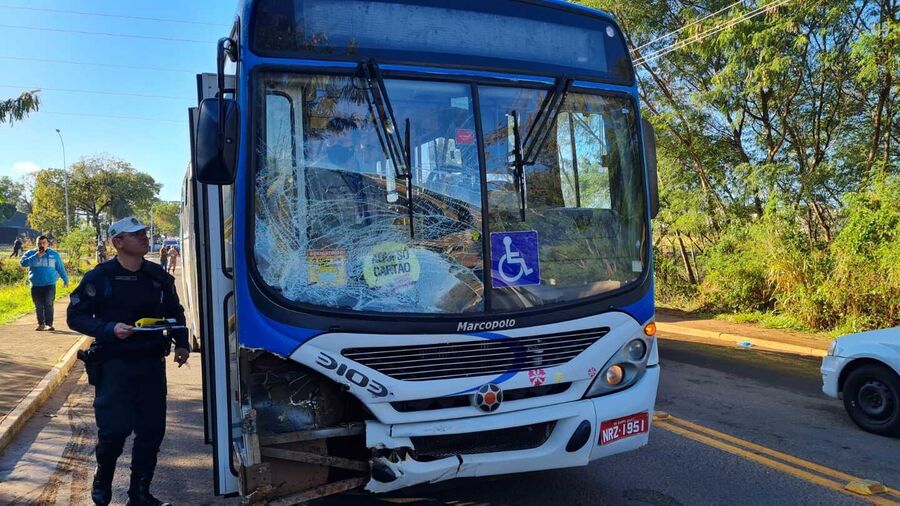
(107, 187)
(15, 109)
(10, 197)
(101, 188)
(166, 218)
(48, 203)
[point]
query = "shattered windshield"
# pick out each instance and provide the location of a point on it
(332, 215)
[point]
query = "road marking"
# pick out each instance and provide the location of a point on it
(785, 463)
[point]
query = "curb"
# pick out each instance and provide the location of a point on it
(733, 340)
(16, 419)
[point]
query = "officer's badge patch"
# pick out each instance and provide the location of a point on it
(90, 290)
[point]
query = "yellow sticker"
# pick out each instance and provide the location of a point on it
(559, 377)
(391, 264)
(327, 267)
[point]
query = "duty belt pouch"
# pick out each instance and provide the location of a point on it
(91, 365)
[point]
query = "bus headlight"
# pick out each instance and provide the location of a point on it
(623, 369)
(614, 375)
(636, 349)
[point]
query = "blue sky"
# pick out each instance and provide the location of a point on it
(99, 123)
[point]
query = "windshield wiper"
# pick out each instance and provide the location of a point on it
(526, 151)
(397, 148)
(519, 165)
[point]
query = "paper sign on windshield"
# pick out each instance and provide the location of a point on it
(391, 264)
(327, 267)
(514, 259)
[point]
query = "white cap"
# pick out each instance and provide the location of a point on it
(125, 225)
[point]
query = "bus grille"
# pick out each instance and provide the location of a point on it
(501, 440)
(475, 358)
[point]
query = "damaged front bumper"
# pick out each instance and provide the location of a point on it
(552, 450)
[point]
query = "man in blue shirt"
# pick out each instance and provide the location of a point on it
(45, 266)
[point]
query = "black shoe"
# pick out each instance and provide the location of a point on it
(50, 328)
(101, 492)
(139, 492)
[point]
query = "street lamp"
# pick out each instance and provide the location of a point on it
(65, 178)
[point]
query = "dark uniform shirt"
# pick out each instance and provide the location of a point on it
(110, 294)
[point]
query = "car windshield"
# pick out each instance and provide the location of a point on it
(332, 215)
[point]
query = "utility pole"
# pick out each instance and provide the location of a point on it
(151, 224)
(65, 179)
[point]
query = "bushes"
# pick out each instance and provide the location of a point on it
(11, 273)
(864, 287)
(849, 285)
(736, 271)
(79, 244)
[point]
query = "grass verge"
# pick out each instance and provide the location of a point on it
(15, 299)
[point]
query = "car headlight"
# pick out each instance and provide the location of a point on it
(832, 348)
(624, 369)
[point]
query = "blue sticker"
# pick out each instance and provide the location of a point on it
(514, 259)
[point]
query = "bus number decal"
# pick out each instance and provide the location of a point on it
(352, 375)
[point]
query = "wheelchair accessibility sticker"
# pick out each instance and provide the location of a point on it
(514, 259)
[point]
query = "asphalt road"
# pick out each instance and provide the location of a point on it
(767, 399)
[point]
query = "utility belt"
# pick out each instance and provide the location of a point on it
(149, 347)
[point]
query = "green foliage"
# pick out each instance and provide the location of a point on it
(736, 270)
(79, 244)
(767, 320)
(11, 193)
(771, 133)
(102, 188)
(15, 300)
(15, 109)
(167, 218)
(48, 203)
(864, 286)
(11, 272)
(672, 288)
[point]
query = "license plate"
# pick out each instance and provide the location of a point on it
(620, 428)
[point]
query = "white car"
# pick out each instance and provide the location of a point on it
(864, 370)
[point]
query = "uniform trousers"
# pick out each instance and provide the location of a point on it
(131, 397)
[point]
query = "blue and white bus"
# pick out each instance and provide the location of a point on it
(421, 243)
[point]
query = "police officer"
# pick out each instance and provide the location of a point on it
(128, 364)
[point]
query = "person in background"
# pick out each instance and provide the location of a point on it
(45, 266)
(17, 247)
(163, 257)
(173, 258)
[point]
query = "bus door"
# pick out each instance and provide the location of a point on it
(213, 215)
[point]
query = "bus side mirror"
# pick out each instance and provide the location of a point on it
(650, 156)
(216, 144)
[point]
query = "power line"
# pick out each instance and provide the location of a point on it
(685, 27)
(100, 14)
(85, 114)
(712, 31)
(123, 35)
(95, 92)
(94, 64)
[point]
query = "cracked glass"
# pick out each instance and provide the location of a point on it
(332, 223)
